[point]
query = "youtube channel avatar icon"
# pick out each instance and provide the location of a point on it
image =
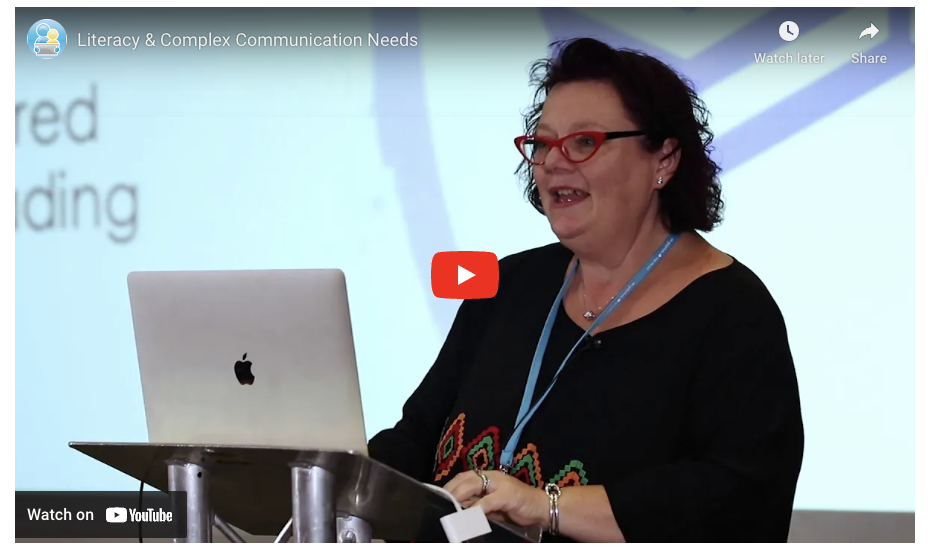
(464, 275)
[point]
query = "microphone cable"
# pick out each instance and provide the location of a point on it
(140, 498)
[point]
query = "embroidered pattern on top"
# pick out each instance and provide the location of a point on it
(482, 453)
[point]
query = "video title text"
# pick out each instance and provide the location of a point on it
(244, 40)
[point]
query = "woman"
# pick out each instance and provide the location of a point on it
(658, 395)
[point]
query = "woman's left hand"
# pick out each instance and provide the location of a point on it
(505, 497)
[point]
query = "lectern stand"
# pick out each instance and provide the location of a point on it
(314, 496)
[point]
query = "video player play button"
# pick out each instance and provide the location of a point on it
(463, 275)
(477, 275)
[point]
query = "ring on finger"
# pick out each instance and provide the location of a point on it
(486, 481)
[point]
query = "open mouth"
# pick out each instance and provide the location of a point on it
(566, 197)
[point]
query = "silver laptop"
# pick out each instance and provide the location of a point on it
(250, 358)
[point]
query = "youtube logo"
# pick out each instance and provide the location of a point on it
(115, 515)
(464, 275)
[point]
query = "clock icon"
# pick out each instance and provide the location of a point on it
(789, 30)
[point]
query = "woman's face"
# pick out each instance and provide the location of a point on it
(610, 193)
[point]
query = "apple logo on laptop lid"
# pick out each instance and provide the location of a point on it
(243, 371)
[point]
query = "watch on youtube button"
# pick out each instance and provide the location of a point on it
(464, 275)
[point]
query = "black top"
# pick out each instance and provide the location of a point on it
(689, 417)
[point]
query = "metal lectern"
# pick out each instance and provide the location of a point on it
(314, 496)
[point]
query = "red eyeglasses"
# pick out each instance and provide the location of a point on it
(577, 147)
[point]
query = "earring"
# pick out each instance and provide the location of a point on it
(659, 180)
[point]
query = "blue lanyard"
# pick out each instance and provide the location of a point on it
(526, 410)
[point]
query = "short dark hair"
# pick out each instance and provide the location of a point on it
(661, 102)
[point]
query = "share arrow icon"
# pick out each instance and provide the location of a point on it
(870, 31)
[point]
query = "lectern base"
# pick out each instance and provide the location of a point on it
(313, 497)
(193, 478)
(316, 496)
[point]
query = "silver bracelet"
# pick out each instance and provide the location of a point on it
(554, 493)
